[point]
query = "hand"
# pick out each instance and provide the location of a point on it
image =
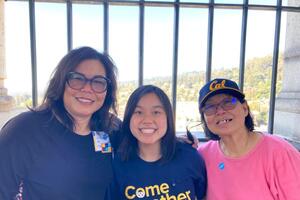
(193, 140)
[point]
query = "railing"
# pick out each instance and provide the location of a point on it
(210, 5)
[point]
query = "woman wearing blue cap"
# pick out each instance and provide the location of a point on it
(243, 163)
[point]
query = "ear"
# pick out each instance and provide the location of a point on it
(245, 108)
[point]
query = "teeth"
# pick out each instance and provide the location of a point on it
(224, 121)
(84, 100)
(147, 130)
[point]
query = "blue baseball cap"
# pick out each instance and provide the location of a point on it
(219, 86)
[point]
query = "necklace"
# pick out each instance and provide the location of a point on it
(237, 149)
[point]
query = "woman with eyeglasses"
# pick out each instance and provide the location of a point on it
(242, 163)
(62, 149)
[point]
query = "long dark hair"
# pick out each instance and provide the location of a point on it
(53, 99)
(213, 136)
(129, 146)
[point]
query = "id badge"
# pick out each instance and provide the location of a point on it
(101, 142)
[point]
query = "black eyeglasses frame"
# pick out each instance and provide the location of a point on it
(86, 80)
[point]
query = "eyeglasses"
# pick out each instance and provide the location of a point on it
(77, 81)
(226, 104)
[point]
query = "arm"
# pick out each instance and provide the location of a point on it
(189, 138)
(286, 180)
(9, 162)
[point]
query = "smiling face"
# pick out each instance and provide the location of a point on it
(81, 104)
(148, 122)
(226, 122)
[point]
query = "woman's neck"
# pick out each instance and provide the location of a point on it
(150, 152)
(239, 144)
(82, 126)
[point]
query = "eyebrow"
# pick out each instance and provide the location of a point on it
(156, 106)
(94, 76)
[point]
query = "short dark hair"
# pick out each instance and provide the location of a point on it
(129, 145)
(53, 99)
(248, 123)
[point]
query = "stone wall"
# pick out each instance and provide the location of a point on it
(287, 106)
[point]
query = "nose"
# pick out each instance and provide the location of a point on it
(87, 87)
(219, 110)
(147, 118)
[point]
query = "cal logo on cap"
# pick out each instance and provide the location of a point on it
(215, 85)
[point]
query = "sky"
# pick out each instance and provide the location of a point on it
(51, 39)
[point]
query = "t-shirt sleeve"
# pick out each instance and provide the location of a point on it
(201, 181)
(286, 172)
(198, 170)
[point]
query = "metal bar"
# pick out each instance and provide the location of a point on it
(171, 4)
(33, 52)
(243, 45)
(209, 40)
(175, 56)
(141, 42)
(274, 68)
(105, 26)
(69, 25)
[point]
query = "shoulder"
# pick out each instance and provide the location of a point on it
(26, 122)
(208, 146)
(283, 161)
(189, 161)
(277, 146)
(19, 121)
(186, 152)
(184, 147)
(276, 143)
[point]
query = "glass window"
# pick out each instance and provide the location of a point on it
(264, 2)
(258, 67)
(229, 1)
(51, 22)
(88, 25)
(164, 0)
(226, 43)
(17, 59)
(195, 1)
(158, 51)
(51, 26)
(191, 66)
(123, 47)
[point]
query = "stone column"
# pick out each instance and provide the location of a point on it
(287, 107)
(6, 102)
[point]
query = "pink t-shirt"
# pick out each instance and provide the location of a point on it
(271, 171)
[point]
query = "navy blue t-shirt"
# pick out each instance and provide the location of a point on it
(184, 177)
(50, 161)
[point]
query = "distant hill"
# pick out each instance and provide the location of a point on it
(257, 85)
